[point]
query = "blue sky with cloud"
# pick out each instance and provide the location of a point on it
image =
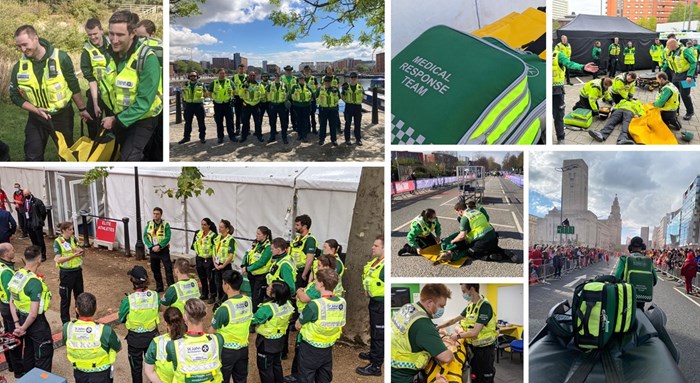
(229, 26)
(648, 184)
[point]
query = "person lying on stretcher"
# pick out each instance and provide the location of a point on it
(436, 372)
(476, 238)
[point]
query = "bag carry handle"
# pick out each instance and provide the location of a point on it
(658, 319)
(612, 373)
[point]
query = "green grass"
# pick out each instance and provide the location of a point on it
(12, 132)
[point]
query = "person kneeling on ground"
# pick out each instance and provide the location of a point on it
(668, 101)
(476, 238)
(420, 235)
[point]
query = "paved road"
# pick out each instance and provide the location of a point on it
(502, 200)
(682, 310)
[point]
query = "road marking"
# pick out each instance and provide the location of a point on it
(520, 229)
(496, 208)
(506, 226)
(507, 200)
(575, 281)
(400, 227)
(686, 296)
(448, 201)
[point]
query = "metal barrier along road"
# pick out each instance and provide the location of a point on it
(125, 221)
(675, 273)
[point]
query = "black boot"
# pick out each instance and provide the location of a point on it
(369, 370)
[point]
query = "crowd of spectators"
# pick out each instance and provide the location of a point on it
(550, 261)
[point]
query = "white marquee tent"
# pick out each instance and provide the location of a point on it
(247, 196)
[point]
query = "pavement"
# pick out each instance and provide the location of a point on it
(372, 148)
(682, 310)
(503, 201)
(575, 137)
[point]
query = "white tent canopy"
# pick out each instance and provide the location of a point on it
(247, 196)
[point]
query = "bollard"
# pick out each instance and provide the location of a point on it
(49, 216)
(127, 244)
(375, 105)
(178, 107)
(86, 239)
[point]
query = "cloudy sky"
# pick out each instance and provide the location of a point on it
(587, 6)
(229, 26)
(648, 184)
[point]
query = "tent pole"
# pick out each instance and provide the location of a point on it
(139, 248)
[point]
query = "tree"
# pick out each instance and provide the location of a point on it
(324, 13)
(648, 23)
(680, 13)
(185, 8)
(361, 68)
(367, 223)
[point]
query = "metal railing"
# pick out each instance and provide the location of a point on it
(547, 270)
(675, 273)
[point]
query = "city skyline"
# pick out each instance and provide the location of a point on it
(226, 27)
(644, 199)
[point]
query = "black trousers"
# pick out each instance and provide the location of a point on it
(618, 116)
(36, 132)
(293, 115)
(70, 282)
(558, 112)
(482, 363)
(270, 367)
(485, 247)
(93, 127)
(353, 113)
(133, 139)
(328, 116)
(670, 118)
(223, 112)
(301, 282)
(93, 377)
(155, 259)
(376, 331)
(583, 103)
(36, 234)
(22, 222)
(234, 364)
(423, 242)
(238, 110)
(300, 114)
(612, 66)
(38, 344)
(685, 96)
(205, 272)
(597, 63)
(616, 97)
(264, 107)
(193, 109)
(248, 112)
(312, 115)
(14, 356)
(629, 67)
(315, 364)
(137, 346)
(278, 111)
(219, 282)
(257, 286)
(154, 148)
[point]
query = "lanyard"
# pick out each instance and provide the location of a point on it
(218, 247)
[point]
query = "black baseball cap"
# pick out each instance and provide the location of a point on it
(139, 273)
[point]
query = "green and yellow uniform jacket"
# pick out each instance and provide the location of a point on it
(657, 53)
(559, 65)
(64, 248)
(301, 95)
(596, 53)
(629, 55)
(196, 358)
(668, 98)
(680, 61)
(90, 346)
(593, 91)
(48, 83)
(157, 357)
(139, 311)
(564, 48)
(622, 87)
(157, 234)
(421, 229)
(93, 60)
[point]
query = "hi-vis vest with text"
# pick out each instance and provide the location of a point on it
(22, 301)
(488, 333)
(123, 86)
(221, 246)
(674, 101)
(277, 93)
(325, 331)
(143, 311)
(276, 326)
(401, 354)
(478, 225)
(53, 94)
(98, 61)
(240, 314)
(198, 359)
(196, 96)
(328, 98)
(296, 249)
(222, 91)
(84, 347)
(255, 254)
(185, 290)
(67, 251)
(351, 96)
(156, 236)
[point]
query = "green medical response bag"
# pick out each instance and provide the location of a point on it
(450, 87)
(532, 128)
(638, 273)
(601, 307)
(582, 118)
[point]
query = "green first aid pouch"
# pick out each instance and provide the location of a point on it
(450, 87)
(531, 129)
(579, 118)
(600, 308)
(638, 273)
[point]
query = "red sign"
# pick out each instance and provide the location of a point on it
(106, 230)
(403, 187)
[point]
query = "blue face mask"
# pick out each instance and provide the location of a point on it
(467, 297)
(439, 313)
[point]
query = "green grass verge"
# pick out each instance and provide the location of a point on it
(12, 132)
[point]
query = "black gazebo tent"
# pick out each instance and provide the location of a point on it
(584, 30)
